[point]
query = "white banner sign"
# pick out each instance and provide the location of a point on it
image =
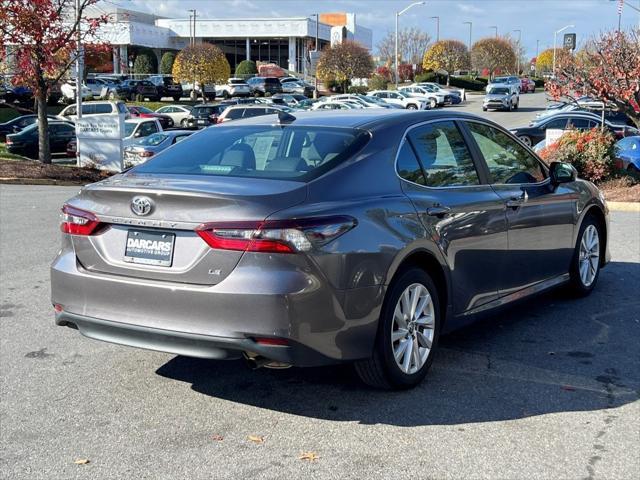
(552, 135)
(100, 141)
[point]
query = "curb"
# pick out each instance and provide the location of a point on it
(41, 181)
(624, 206)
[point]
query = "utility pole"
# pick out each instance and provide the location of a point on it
(316, 50)
(535, 71)
(518, 52)
(192, 42)
(397, 17)
(79, 74)
(470, 27)
(437, 28)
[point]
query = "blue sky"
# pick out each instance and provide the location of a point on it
(536, 18)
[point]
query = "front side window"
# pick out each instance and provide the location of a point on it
(507, 160)
(444, 155)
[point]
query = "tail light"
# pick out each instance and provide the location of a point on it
(8, 141)
(275, 236)
(78, 222)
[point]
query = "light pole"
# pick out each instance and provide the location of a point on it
(315, 74)
(437, 28)
(535, 71)
(470, 27)
(555, 38)
(518, 52)
(496, 29)
(398, 16)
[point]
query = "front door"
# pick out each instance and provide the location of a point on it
(540, 217)
(461, 212)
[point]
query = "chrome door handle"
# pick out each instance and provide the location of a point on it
(438, 210)
(516, 202)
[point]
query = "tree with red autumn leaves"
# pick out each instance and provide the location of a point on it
(42, 36)
(608, 69)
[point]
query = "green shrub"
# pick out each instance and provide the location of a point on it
(378, 82)
(468, 83)
(359, 89)
(143, 64)
(166, 63)
(592, 152)
(426, 77)
(539, 82)
(246, 68)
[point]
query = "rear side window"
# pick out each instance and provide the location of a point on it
(279, 152)
(103, 108)
(444, 155)
(408, 166)
(235, 113)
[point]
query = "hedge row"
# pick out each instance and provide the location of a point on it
(468, 83)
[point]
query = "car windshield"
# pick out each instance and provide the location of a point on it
(501, 80)
(142, 109)
(129, 127)
(154, 139)
(499, 91)
(261, 151)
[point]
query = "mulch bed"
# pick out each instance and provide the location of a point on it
(623, 189)
(33, 172)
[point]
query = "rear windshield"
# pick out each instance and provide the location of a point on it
(264, 151)
(154, 139)
(206, 111)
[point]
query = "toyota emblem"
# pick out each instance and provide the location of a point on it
(141, 205)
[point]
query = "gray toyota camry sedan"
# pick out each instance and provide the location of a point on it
(318, 238)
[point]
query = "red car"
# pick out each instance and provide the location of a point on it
(527, 85)
(137, 111)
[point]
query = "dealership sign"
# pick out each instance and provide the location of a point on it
(100, 141)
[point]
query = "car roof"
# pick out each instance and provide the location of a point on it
(361, 118)
(140, 120)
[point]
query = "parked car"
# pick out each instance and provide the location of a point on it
(363, 100)
(263, 85)
(127, 89)
(527, 85)
(137, 128)
(179, 113)
(247, 111)
(101, 107)
(166, 87)
(15, 125)
(536, 131)
(420, 92)
(138, 111)
(151, 145)
(511, 80)
(298, 242)
(98, 86)
(146, 90)
(501, 98)
(204, 115)
(25, 142)
(451, 97)
(628, 154)
(20, 94)
(402, 99)
(295, 85)
(68, 90)
(336, 105)
(235, 87)
(289, 99)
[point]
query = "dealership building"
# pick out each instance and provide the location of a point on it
(287, 42)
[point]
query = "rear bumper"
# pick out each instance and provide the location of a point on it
(264, 296)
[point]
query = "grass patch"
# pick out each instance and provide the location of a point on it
(11, 156)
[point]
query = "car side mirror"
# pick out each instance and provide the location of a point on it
(561, 172)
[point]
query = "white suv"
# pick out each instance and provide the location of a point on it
(95, 108)
(404, 100)
(421, 92)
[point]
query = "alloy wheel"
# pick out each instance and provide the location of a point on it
(413, 328)
(589, 256)
(526, 140)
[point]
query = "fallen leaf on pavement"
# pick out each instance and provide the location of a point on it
(217, 438)
(256, 439)
(81, 461)
(309, 456)
(568, 388)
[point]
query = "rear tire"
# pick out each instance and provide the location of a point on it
(525, 139)
(407, 336)
(411, 106)
(585, 264)
(433, 104)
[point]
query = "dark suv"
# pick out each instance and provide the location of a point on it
(263, 85)
(204, 115)
(167, 87)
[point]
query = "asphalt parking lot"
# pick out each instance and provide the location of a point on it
(546, 390)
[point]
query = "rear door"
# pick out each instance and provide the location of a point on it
(462, 214)
(540, 218)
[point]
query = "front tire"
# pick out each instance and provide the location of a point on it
(407, 336)
(585, 264)
(525, 139)
(411, 106)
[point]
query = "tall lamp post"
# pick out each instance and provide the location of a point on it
(470, 28)
(316, 50)
(496, 29)
(518, 52)
(555, 39)
(437, 28)
(398, 16)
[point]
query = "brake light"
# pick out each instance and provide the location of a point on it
(78, 222)
(275, 236)
(271, 341)
(8, 141)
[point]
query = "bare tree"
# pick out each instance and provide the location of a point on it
(412, 43)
